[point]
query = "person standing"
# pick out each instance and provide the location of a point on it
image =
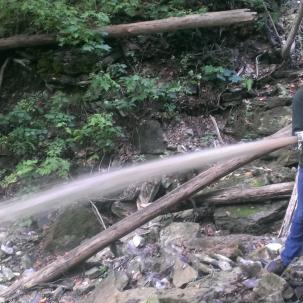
(294, 242)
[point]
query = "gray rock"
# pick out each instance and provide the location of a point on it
(251, 269)
(26, 262)
(251, 283)
(250, 218)
(28, 272)
(84, 287)
(150, 138)
(135, 266)
(183, 274)
(93, 273)
(8, 273)
(294, 272)
(67, 299)
(109, 288)
(7, 249)
(271, 284)
(270, 121)
(177, 233)
(72, 226)
(3, 288)
(276, 297)
(149, 295)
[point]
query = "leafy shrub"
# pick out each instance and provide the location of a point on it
(71, 24)
(42, 132)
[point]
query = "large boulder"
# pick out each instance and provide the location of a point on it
(249, 218)
(150, 138)
(70, 228)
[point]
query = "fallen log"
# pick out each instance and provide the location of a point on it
(223, 18)
(63, 263)
(238, 195)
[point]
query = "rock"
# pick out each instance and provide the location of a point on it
(138, 295)
(272, 120)
(274, 248)
(123, 209)
(97, 259)
(250, 218)
(251, 269)
(183, 274)
(136, 266)
(177, 233)
(271, 284)
(93, 273)
(71, 227)
(148, 192)
(3, 288)
(83, 287)
(58, 292)
(67, 299)
(260, 254)
(294, 272)
(256, 121)
(26, 262)
(109, 288)
(138, 241)
(222, 264)
(193, 215)
(189, 132)
(7, 249)
(299, 292)
(251, 283)
(150, 138)
(230, 246)
(28, 273)
(275, 297)
(7, 273)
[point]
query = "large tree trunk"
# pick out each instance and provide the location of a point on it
(84, 251)
(223, 18)
(238, 195)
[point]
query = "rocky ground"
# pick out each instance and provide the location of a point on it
(206, 254)
(209, 254)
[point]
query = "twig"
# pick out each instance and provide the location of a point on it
(3, 67)
(213, 120)
(97, 213)
(257, 64)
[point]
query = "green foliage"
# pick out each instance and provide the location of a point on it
(212, 73)
(173, 8)
(99, 131)
(128, 93)
(43, 131)
(71, 24)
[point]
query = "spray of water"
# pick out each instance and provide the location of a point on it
(87, 187)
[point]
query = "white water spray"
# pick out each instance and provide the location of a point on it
(85, 188)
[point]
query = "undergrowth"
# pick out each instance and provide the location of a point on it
(48, 132)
